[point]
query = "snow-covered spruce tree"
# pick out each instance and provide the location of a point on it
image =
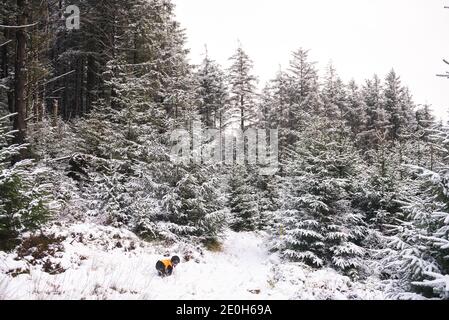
(55, 144)
(192, 204)
(382, 189)
(268, 187)
(304, 91)
(380, 186)
(427, 153)
(333, 94)
(24, 198)
(297, 93)
(376, 116)
(242, 90)
(274, 102)
(243, 199)
(213, 94)
(50, 138)
(107, 151)
(125, 139)
(188, 189)
(421, 241)
(398, 106)
(141, 188)
(425, 118)
(317, 224)
(389, 145)
(274, 105)
(379, 191)
(356, 115)
(414, 252)
(290, 99)
(113, 163)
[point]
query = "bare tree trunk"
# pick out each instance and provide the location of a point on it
(82, 86)
(65, 100)
(135, 53)
(55, 112)
(77, 98)
(90, 82)
(36, 106)
(41, 111)
(242, 113)
(5, 65)
(20, 79)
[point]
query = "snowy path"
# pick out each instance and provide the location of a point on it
(241, 267)
(97, 270)
(108, 263)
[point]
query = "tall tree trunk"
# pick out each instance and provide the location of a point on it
(20, 79)
(5, 66)
(136, 46)
(242, 113)
(90, 82)
(68, 107)
(78, 84)
(82, 85)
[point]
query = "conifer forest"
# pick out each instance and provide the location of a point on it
(96, 97)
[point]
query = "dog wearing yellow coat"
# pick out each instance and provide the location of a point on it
(165, 267)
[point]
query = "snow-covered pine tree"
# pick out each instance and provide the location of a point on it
(427, 152)
(213, 94)
(268, 187)
(192, 204)
(243, 199)
(333, 94)
(303, 90)
(274, 106)
(425, 119)
(274, 102)
(24, 197)
(414, 254)
(377, 120)
(291, 98)
(317, 224)
(356, 115)
(242, 90)
(421, 241)
(388, 148)
(381, 185)
(398, 105)
(124, 143)
(268, 108)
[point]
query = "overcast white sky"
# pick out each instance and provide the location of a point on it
(360, 37)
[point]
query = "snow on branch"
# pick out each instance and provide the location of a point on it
(19, 27)
(4, 44)
(440, 283)
(59, 77)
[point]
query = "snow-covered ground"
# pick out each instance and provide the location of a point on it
(96, 262)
